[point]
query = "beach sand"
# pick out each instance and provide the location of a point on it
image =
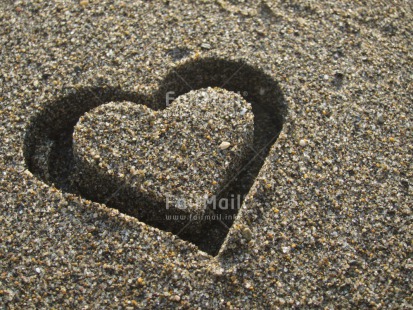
(327, 217)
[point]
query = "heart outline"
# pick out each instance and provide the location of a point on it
(47, 143)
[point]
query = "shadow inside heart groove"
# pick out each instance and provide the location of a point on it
(48, 142)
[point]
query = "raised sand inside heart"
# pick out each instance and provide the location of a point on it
(173, 159)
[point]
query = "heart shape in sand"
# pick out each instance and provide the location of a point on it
(172, 161)
(95, 166)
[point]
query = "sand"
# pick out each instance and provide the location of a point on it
(326, 221)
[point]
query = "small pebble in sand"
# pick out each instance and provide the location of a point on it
(224, 145)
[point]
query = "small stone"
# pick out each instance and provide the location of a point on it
(218, 271)
(246, 233)
(224, 145)
(248, 285)
(286, 249)
(176, 298)
(380, 119)
(206, 46)
(303, 142)
(132, 170)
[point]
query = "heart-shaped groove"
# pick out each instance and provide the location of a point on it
(48, 148)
